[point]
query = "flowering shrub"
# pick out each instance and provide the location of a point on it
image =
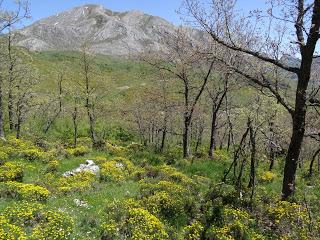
(115, 150)
(171, 174)
(3, 157)
(238, 224)
(291, 220)
(53, 225)
(23, 214)
(33, 221)
(24, 191)
(79, 182)
(11, 172)
(165, 198)
(9, 231)
(134, 147)
(127, 221)
(78, 151)
(166, 173)
(52, 166)
(100, 160)
(33, 154)
(268, 176)
(116, 170)
(193, 231)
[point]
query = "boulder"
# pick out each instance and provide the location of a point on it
(89, 166)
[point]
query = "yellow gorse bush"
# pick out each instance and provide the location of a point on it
(126, 220)
(268, 176)
(79, 182)
(11, 172)
(3, 157)
(237, 225)
(165, 198)
(24, 191)
(53, 225)
(9, 231)
(193, 231)
(115, 150)
(116, 170)
(78, 151)
(33, 221)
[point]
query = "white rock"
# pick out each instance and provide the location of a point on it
(89, 166)
(80, 203)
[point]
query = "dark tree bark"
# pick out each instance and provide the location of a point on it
(271, 147)
(312, 161)
(186, 151)
(75, 123)
(217, 99)
(11, 62)
(2, 134)
(59, 109)
(299, 113)
(253, 156)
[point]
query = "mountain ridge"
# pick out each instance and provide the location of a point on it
(110, 32)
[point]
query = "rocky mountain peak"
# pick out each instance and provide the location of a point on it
(110, 33)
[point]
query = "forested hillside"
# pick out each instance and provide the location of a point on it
(209, 131)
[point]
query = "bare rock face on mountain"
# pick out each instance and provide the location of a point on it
(109, 33)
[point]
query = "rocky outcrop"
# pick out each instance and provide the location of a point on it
(89, 166)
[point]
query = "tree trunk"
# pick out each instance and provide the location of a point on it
(2, 135)
(213, 132)
(299, 113)
(298, 130)
(163, 138)
(253, 157)
(271, 148)
(75, 126)
(186, 152)
(312, 162)
(19, 120)
(199, 140)
(10, 82)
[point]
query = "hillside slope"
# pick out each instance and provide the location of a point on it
(110, 33)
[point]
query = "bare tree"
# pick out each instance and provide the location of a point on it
(263, 51)
(7, 20)
(217, 94)
(183, 61)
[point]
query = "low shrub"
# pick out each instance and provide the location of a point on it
(267, 176)
(34, 221)
(79, 182)
(193, 231)
(52, 166)
(115, 150)
(23, 191)
(10, 231)
(11, 172)
(3, 157)
(237, 224)
(166, 199)
(78, 151)
(127, 221)
(116, 170)
(33, 154)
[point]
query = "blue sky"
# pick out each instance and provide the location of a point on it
(163, 8)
